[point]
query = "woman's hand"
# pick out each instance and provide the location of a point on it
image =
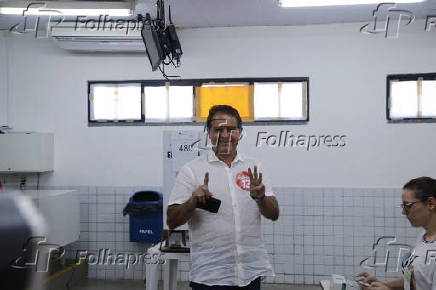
(379, 286)
(366, 278)
(368, 282)
(373, 283)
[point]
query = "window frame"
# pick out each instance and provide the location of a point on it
(90, 83)
(407, 77)
(194, 83)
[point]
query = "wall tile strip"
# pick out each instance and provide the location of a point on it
(320, 231)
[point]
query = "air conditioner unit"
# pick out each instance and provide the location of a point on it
(106, 39)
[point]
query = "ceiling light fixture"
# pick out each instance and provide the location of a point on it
(315, 3)
(82, 8)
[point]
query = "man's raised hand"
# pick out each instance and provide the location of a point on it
(202, 192)
(257, 188)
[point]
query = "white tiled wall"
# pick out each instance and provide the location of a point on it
(320, 231)
(325, 231)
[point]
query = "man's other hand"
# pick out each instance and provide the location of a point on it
(257, 189)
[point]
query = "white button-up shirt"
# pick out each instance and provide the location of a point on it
(226, 247)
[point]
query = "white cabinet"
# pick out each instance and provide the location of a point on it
(61, 212)
(57, 217)
(26, 152)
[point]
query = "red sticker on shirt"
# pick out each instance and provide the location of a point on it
(243, 180)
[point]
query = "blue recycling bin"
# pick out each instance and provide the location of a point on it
(145, 210)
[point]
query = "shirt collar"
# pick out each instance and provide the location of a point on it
(211, 157)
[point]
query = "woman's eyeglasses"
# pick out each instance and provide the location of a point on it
(407, 205)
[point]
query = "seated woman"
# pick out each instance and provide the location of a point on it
(419, 269)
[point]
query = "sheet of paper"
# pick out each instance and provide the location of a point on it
(183, 148)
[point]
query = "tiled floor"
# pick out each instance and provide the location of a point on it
(93, 284)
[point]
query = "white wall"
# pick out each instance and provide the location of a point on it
(347, 72)
(3, 81)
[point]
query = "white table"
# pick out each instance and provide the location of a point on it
(170, 269)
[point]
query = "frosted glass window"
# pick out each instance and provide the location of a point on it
(181, 103)
(169, 103)
(292, 101)
(175, 101)
(237, 95)
(156, 104)
(266, 101)
(404, 99)
(412, 98)
(429, 99)
(129, 102)
(115, 102)
(280, 101)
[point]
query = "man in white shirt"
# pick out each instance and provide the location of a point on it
(227, 251)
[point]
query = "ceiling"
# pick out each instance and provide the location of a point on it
(216, 13)
(224, 13)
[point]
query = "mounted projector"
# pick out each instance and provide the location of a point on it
(161, 42)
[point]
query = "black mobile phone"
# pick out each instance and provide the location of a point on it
(212, 204)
